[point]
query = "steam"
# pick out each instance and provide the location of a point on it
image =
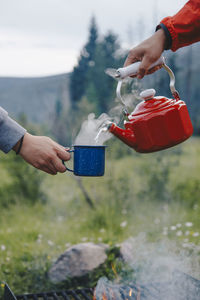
(162, 270)
(90, 129)
(155, 261)
(94, 131)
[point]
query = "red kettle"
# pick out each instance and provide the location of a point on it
(156, 123)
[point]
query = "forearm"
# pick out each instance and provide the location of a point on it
(184, 27)
(10, 132)
(39, 151)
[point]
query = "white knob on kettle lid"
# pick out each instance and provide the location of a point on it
(147, 94)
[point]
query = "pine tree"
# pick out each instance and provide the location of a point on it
(78, 82)
(102, 87)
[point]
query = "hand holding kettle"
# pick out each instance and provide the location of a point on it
(173, 32)
(157, 122)
(148, 52)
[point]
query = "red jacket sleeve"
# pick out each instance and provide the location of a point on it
(184, 27)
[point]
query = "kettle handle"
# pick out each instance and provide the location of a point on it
(132, 69)
(174, 92)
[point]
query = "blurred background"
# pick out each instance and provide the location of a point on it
(53, 54)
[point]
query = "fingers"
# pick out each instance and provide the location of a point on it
(51, 166)
(145, 62)
(154, 69)
(52, 163)
(58, 165)
(147, 52)
(56, 161)
(48, 170)
(131, 58)
(144, 66)
(63, 154)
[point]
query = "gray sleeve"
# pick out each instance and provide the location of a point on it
(10, 131)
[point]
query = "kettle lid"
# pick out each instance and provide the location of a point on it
(150, 102)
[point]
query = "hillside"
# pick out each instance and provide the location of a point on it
(36, 97)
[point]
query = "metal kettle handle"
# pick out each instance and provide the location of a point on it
(174, 92)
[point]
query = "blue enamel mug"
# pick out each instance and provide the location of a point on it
(88, 160)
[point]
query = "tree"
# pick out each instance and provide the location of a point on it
(78, 82)
(101, 85)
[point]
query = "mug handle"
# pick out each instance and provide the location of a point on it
(65, 164)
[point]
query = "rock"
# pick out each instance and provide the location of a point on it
(77, 261)
(134, 248)
(126, 250)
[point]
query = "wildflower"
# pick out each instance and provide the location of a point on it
(165, 207)
(195, 234)
(188, 245)
(187, 232)
(67, 245)
(84, 239)
(124, 211)
(188, 224)
(100, 239)
(165, 232)
(2, 285)
(102, 230)
(185, 240)
(191, 245)
(60, 218)
(179, 233)
(123, 224)
(156, 221)
(3, 247)
(50, 243)
(195, 207)
(173, 227)
(178, 225)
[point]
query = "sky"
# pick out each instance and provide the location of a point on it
(45, 37)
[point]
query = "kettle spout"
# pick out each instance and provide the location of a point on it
(125, 135)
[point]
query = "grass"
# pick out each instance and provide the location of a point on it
(33, 236)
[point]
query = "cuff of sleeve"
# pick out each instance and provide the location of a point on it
(167, 34)
(10, 133)
(168, 23)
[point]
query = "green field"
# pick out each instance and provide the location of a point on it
(149, 193)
